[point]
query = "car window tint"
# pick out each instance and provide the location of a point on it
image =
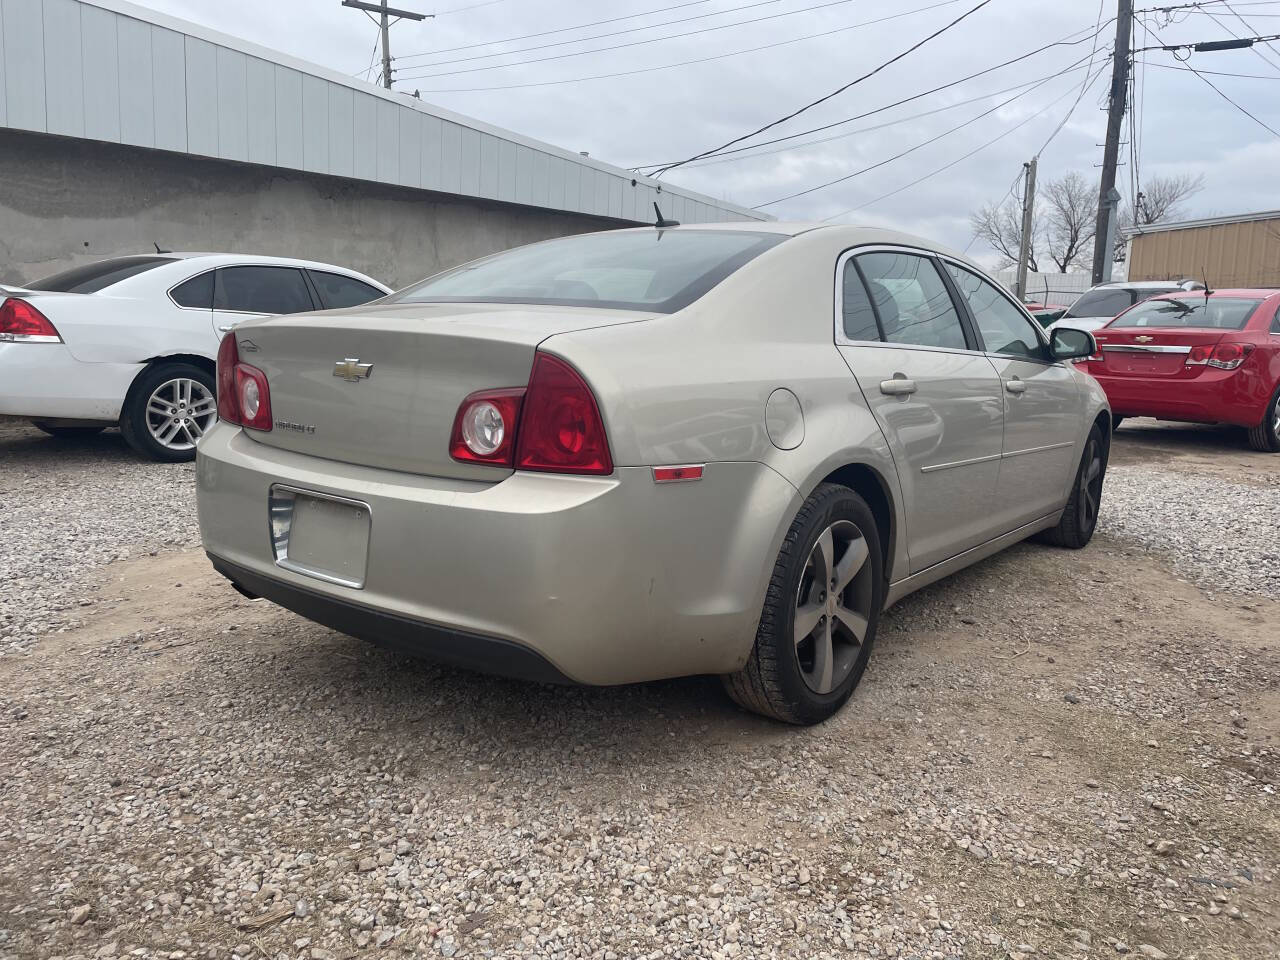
(859, 317)
(1101, 303)
(1003, 327)
(912, 300)
(337, 291)
(261, 290)
(93, 277)
(1275, 321)
(196, 292)
(1222, 313)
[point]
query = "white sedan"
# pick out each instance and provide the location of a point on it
(134, 340)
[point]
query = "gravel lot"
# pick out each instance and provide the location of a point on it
(1053, 754)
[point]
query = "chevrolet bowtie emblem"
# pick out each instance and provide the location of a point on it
(1144, 339)
(351, 369)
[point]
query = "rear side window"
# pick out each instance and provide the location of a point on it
(1004, 328)
(1275, 321)
(261, 290)
(1222, 313)
(337, 291)
(859, 317)
(1100, 303)
(93, 277)
(196, 293)
(652, 270)
(911, 300)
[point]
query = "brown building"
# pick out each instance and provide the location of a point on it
(1239, 251)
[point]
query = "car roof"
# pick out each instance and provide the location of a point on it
(1252, 293)
(1139, 284)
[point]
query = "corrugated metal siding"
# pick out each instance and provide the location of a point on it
(109, 70)
(1230, 255)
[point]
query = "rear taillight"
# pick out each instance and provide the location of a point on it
(20, 322)
(561, 430)
(484, 431)
(243, 395)
(1224, 356)
(551, 426)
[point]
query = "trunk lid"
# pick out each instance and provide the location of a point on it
(1152, 351)
(424, 359)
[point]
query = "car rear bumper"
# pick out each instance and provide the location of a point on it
(43, 380)
(598, 580)
(1214, 396)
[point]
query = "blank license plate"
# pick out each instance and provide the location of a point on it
(321, 536)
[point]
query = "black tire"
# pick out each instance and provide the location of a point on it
(133, 418)
(1115, 423)
(773, 681)
(1265, 437)
(1080, 518)
(67, 433)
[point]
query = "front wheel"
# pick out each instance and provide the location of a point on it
(1266, 435)
(169, 408)
(1080, 518)
(820, 612)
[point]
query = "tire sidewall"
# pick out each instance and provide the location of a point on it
(133, 419)
(810, 707)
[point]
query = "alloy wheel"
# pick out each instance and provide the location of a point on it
(833, 605)
(1090, 492)
(179, 411)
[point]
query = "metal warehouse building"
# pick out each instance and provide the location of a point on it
(121, 127)
(1239, 251)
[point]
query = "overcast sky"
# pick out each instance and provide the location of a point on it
(674, 112)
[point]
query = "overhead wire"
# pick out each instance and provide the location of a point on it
(1097, 29)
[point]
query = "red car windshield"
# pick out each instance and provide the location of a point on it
(1222, 313)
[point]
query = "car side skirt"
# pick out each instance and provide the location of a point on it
(945, 568)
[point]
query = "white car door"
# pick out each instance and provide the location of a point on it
(257, 290)
(1043, 406)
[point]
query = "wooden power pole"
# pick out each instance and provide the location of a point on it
(1028, 225)
(384, 12)
(1107, 206)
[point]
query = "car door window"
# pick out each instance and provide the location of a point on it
(1004, 328)
(337, 291)
(911, 300)
(261, 290)
(196, 293)
(858, 315)
(1275, 322)
(1100, 303)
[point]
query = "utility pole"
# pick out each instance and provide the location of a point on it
(1111, 153)
(1028, 224)
(384, 12)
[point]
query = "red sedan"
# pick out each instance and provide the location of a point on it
(1206, 357)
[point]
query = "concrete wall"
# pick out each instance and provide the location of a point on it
(66, 201)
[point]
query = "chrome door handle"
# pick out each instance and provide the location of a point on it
(1015, 386)
(897, 387)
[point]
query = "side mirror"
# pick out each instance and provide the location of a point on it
(1068, 343)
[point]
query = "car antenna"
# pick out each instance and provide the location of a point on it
(1204, 275)
(663, 221)
(157, 246)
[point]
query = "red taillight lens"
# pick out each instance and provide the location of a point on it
(19, 320)
(484, 431)
(1199, 355)
(1228, 356)
(561, 430)
(243, 395)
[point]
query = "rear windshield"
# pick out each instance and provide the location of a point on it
(93, 277)
(1114, 300)
(1224, 313)
(660, 271)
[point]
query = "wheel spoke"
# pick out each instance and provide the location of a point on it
(807, 618)
(159, 407)
(826, 546)
(823, 659)
(1095, 468)
(193, 430)
(855, 557)
(853, 621)
(170, 432)
(201, 407)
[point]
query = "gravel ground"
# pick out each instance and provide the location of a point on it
(1052, 754)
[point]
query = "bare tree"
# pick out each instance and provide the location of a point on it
(1000, 225)
(1069, 220)
(1160, 199)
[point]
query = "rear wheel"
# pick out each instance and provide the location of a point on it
(1266, 435)
(820, 613)
(1080, 518)
(67, 433)
(168, 409)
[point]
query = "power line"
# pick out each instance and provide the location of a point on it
(471, 6)
(632, 43)
(1248, 26)
(598, 36)
(1065, 41)
(1252, 49)
(685, 63)
(833, 93)
(918, 146)
(547, 33)
(994, 140)
(1080, 96)
(1212, 73)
